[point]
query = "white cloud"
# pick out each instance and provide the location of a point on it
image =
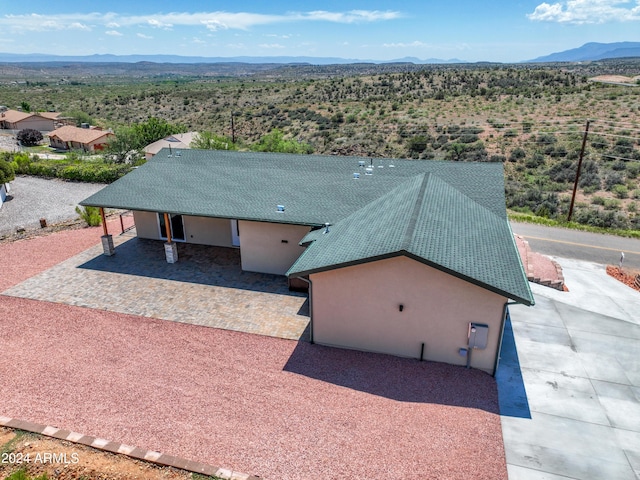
(198, 41)
(142, 35)
(587, 11)
(154, 22)
(211, 20)
(113, 33)
(405, 45)
(271, 45)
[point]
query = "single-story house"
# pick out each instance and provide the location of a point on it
(177, 141)
(74, 138)
(15, 120)
(406, 257)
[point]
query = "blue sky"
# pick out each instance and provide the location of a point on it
(470, 30)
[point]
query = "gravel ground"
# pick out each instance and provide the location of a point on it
(34, 198)
(270, 407)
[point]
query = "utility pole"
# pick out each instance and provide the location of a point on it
(575, 185)
(233, 129)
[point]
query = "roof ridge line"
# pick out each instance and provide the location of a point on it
(411, 225)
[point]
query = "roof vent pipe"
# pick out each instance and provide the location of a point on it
(280, 208)
(356, 175)
(361, 163)
(368, 171)
(326, 227)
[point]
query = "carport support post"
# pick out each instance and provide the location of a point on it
(170, 248)
(107, 240)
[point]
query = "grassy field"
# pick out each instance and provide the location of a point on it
(532, 118)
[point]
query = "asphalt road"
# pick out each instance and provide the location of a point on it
(592, 247)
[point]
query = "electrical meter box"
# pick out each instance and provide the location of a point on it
(478, 335)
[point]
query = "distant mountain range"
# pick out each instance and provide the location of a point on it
(587, 52)
(108, 58)
(594, 51)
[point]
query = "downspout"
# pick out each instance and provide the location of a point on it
(505, 312)
(310, 309)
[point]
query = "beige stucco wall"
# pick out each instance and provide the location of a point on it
(358, 307)
(200, 230)
(146, 225)
(35, 122)
(262, 248)
(208, 231)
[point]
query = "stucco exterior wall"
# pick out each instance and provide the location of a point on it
(270, 247)
(358, 307)
(200, 230)
(35, 122)
(208, 231)
(146, 225)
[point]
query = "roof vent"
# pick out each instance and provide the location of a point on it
(368, 171)
(356, 175)
(178, 153)
(326, 228)
(361, 163)
(280, 208)
(391, 165)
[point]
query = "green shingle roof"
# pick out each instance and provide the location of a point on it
(428, 220)
(448, 214)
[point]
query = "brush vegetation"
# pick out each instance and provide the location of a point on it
(531, 118)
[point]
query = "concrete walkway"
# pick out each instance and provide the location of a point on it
(570, 394)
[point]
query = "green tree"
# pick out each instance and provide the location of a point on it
(211, 141)
(29, 137)
(79, 116)
(25, 106)
(124, 146)
(153, 130)
(275, 142)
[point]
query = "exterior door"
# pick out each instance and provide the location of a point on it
(177, 227)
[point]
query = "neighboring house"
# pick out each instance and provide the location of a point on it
(415, 253)
(15, 120)
(74, 138)
(178, 141)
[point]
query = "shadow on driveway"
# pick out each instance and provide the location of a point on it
(201, 264)
(400, 379)
(512, 395)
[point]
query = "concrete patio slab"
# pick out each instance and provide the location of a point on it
(568, 380)
(205, 287)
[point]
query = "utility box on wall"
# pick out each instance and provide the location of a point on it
(478, 335)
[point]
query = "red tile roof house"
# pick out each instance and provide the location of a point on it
(15, 120)
(404, 257)
(74, 138)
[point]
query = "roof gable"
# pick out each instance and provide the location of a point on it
(430, 221)
(69, 133)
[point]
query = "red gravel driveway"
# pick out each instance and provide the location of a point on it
(264, 406)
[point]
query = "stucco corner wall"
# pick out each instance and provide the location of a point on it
(359, 307)
(208, 231)
(270, 247)
(146, 225)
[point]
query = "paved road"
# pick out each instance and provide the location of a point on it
(591, 247)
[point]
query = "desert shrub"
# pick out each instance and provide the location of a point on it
(7, 172)
(563, 171)
(611, 204)
(29, 137)
(418, 143)
(90, 215)
(517, 154)
(633, 169)
(635, 193)
(619, 166)
(497, 158)
(534, 160)
(613, 179)
(620, 191)
(600, 218)
(534, 201)
(597, 200)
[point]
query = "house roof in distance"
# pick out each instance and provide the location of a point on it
(451, 215)
(177, 140)
(70, 133)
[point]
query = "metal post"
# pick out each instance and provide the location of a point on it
(575, 185)
(104, 221)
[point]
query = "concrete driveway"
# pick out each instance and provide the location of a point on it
(570, 393)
